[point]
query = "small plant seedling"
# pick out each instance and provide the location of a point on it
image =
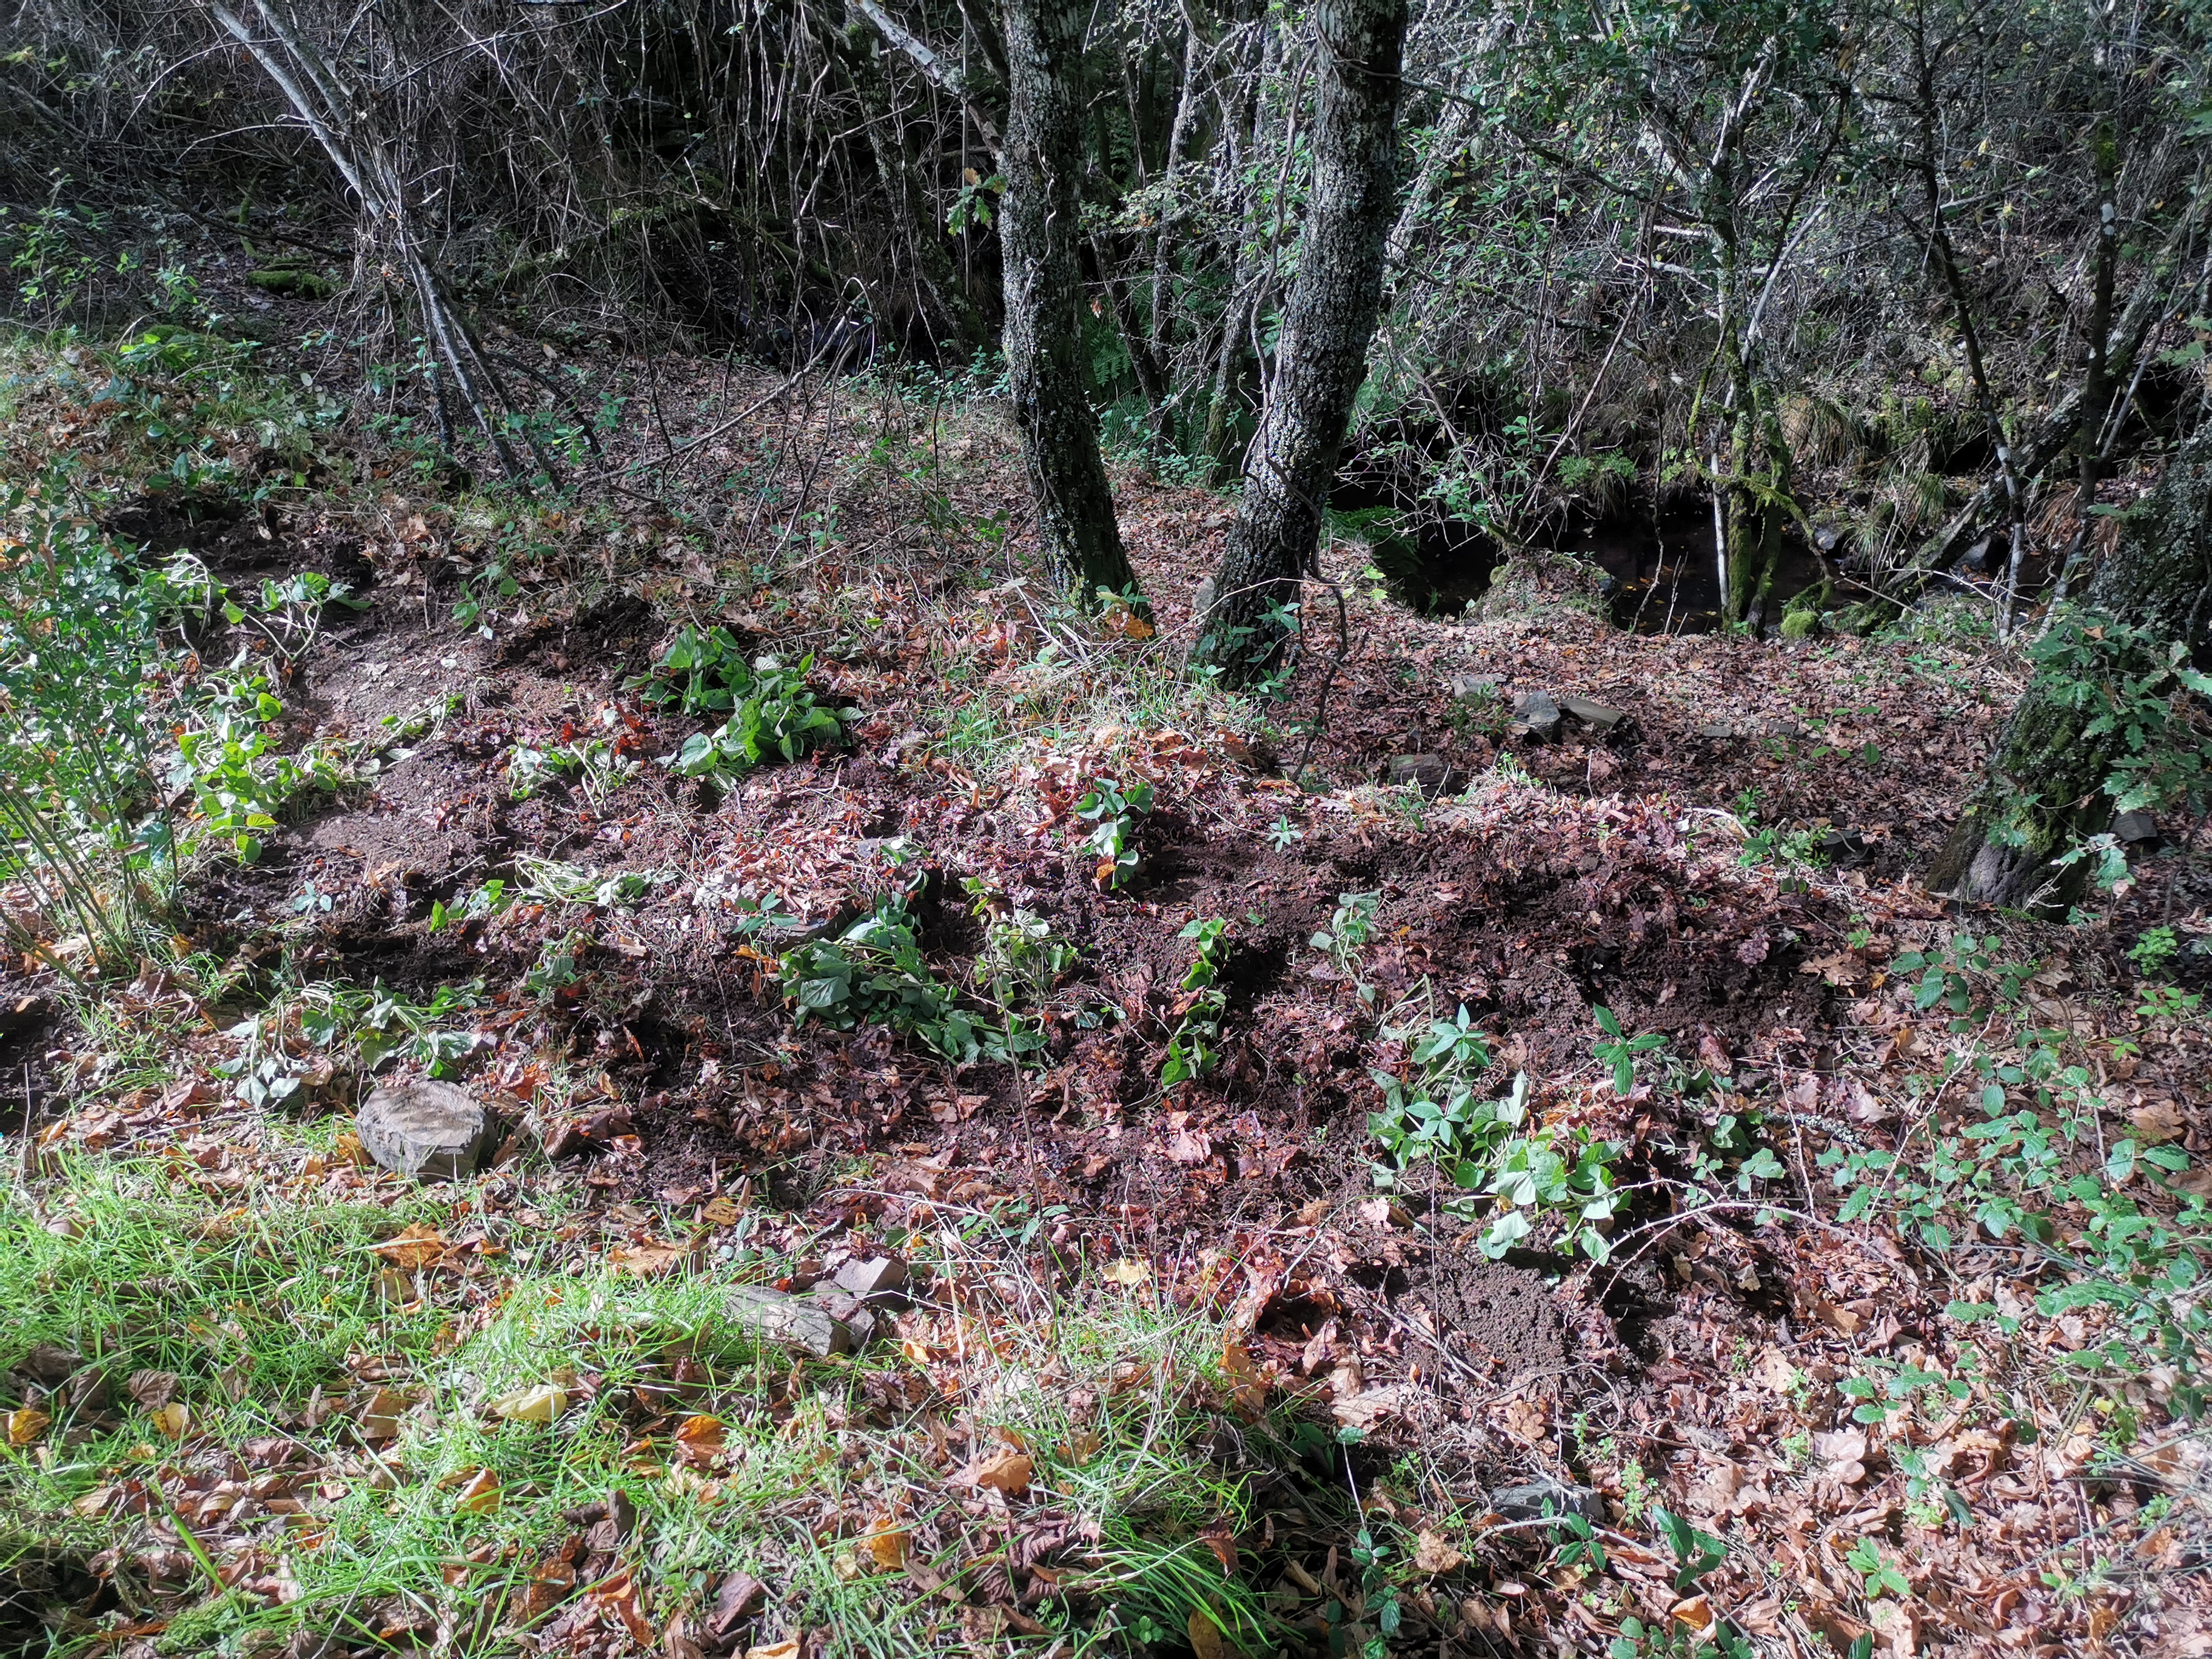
(1112, 809)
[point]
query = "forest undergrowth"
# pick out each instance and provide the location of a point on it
(1371, 1168)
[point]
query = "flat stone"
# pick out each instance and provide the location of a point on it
(1601, 715)
(1428, 772)
(1780, 725)
(426, 1131)
(789, 1321)
(2136, 827)
(1716, 729)
(1473, 688)
(877, 1282)
(1539, 1498)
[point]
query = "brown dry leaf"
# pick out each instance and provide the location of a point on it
(1434, 1552)
(379, 1418)
(1189, 1147)
(720, 1213)
(648, 1258)
(1205, 1636)
(152, 1389)
(699, 1439)
(1128, 1272)
(1007, 1471)
(25, 1425)
(1844, 1452)
(676, 1642)
(618, 1594)
(775, 1651)
(885, 1542)
(173, 1419)
(2159, 1120)
(479, 1494)
(1695, 1614)
(1221, 1539)
(1248, 1384)
(542, 1403)
(415, 1248)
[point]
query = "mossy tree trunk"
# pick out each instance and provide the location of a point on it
(1322, 356)
(1047, 361)
(2045, 792)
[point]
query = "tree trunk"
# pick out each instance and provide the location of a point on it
(1322, 356)
(2045, 792)
(1048, 364)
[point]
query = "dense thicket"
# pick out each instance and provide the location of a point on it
(1803, 259)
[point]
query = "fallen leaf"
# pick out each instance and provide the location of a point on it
(1248, 1385)
(1695, 1614)
(25, 1425)
(479, 1495)
(699, 1439)
(415, 1248)
(1129, 1272)
(379, 1417)
(1221, 1539)
(885, 1542)
(618, 1594)
(720, 1212)
(1205, 1636)
(542, 1403)
(152, 1389)
(173, 1419)
(1007, 1471)
(1434, 1552)
(648, 1258)
(1843, 1451)
(775, 1651)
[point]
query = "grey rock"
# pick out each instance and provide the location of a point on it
(2136, 827)
(426, 1131)
(1426, 772)
(879, 1281)
(1538, 715)
(1537, 1498)
(847, 1310)
(1601, 716)
(1780, 725)
(1202, 602)
(1473, 688)
(1718, 730)
(789, 1321)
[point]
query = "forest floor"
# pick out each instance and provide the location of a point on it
(1826, 1286)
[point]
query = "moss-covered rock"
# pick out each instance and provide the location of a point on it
(292, 279)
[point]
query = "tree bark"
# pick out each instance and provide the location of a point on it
(1048, 364)
(2045, 792)
(1322, 356)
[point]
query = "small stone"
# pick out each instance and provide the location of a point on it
(1717, 730)
(789, 1321)
(1473, 688)
(2135, 827)
(879, 1281)
(1426, 772)
(1601, 716)
(1536, 714)
(1539, 1498)
(426, 1131)
(1780, 725)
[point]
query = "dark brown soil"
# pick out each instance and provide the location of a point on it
(1505, 1314)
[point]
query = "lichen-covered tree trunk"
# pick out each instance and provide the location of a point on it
(1322, 356)
(2045, 792)
(1047, 366)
